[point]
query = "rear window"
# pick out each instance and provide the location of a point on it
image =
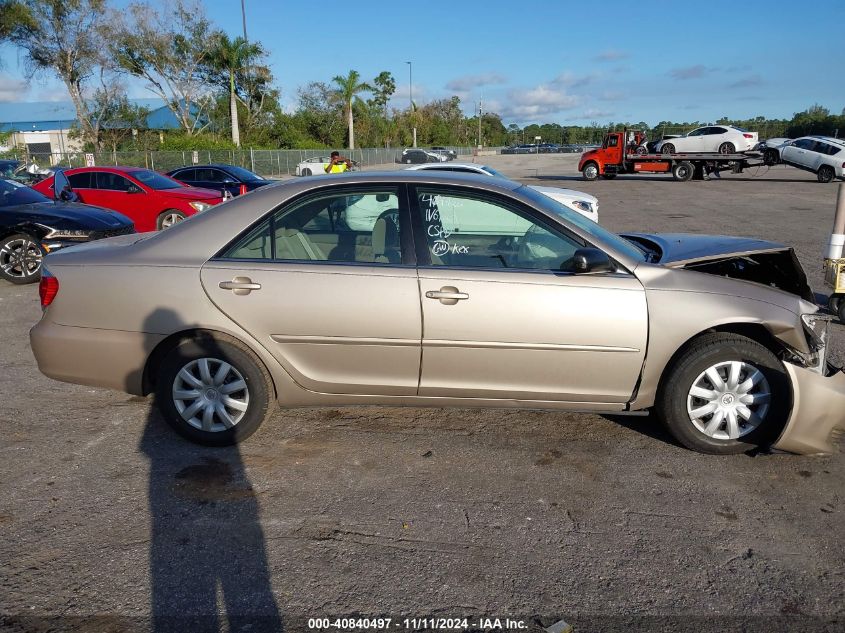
(154, 180)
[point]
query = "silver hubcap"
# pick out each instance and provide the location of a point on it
(20, 258)
(591, 171)
(728, 400)
(170, 219)
(210, 395)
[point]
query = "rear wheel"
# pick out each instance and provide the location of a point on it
(20, 259)
(668, 148)
(727, 148)
(724, 394)
(590, 171)
(169, 218)
(214, 392)
(826, 173)
(682, 171)
(306, 172)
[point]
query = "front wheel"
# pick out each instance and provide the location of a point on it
(727, 148)
(169, 218)
(306, 172)
(826, 173)
(668, 148)
(771, 157)
(20, 259)
(590, 171)
(724, 394)
(214, 392)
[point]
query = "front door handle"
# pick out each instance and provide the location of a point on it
(240, 285)
(448, 295)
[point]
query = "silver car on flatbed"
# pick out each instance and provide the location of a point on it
(462, 291)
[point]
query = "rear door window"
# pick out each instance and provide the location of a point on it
(360, 227)
(81, 181)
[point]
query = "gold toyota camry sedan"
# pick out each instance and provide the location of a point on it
(446, 290)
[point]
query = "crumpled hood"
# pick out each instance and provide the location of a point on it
(682, 248)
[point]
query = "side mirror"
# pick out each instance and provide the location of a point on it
(591, 260)
(61, 187)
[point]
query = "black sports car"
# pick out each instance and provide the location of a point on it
(229, 180)
(32, 225)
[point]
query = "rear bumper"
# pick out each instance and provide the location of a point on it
(89, 356)
(818, 412)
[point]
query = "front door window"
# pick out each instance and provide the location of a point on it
(468, 231)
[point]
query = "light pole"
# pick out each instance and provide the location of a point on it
(243, 15)
(411, 98)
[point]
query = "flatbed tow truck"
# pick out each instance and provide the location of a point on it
(623, 153)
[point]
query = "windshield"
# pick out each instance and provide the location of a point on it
(154, 180)
(8, 167)
(242, 174)
(12, 193)
(600, 233)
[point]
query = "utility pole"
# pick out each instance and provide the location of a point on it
(411, 98)
(243, 15)
(480, 110)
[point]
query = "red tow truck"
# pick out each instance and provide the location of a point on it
(624, 153)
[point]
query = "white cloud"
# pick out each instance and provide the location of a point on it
(540, 101)
(470, 82)
(611, 56)
(571, 80)
(11, 89)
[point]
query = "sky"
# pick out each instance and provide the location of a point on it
(543, 61)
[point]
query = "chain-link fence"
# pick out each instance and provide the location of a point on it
(269, 162)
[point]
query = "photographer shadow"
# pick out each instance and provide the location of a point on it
(208, 562)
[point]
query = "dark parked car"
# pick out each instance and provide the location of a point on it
(8, 167)
(520, 149)
(32, 225)
(417, 156)
(229, 180)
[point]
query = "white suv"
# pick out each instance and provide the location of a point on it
(823, 155)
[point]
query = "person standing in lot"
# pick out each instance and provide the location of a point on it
(338, 164)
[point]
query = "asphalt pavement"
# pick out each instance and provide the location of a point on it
(111, 522)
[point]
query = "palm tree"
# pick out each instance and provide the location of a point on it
(347, 91)
(231, 58)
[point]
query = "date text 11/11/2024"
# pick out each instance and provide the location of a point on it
(415, 624)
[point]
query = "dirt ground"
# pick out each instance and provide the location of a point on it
(110, 522)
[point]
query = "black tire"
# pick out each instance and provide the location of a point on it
(727, 148)
(826, 173)
(641, 151)
(590, 171)
(608, 176)
(682, 171)
(668, 148)
(258, 391)
(20, 258)
(168, 218)
(840, 311)
(771, 157)
(407, 161)
(306, 172)
(833, 302)
(708, 351)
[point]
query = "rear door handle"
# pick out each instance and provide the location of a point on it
(240, 285)
(448, 295)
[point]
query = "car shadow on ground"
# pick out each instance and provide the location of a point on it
(647, 425)
(208, 562)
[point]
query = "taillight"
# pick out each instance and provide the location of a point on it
(48, 288)
(748, 135)
(242, 190)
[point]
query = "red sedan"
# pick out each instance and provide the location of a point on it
(151, 200)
